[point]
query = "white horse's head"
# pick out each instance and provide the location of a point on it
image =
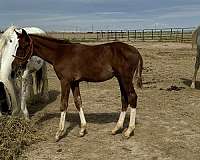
(8, 47)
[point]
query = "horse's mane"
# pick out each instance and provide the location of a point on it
(49, 38)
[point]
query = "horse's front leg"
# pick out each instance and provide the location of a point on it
(12, 93)
(78, 104)
(65, 89)
(24, 94)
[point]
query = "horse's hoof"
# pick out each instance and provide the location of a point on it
(27, 118)
(126, 134)
(57, 138)
(116, 131)
(59, 135)
(82, 133)
(193, 86)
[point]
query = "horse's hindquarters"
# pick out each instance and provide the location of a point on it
(4, 99)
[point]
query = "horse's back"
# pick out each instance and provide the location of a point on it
(34, 30)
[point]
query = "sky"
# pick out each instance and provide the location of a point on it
(92, 15)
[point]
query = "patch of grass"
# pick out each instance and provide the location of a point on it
(15, 134)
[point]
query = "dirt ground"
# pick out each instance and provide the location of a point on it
(167, 124)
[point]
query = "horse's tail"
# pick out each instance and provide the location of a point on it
(194, 38)
(138, 72)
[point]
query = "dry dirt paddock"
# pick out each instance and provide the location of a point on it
(167, 124)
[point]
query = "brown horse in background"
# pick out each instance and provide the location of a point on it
(74, 63)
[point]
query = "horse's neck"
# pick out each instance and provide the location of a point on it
(45, 49)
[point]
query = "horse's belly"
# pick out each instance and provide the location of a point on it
(99, 75)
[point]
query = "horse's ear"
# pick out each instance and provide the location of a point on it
(18, 34)
(24, 33)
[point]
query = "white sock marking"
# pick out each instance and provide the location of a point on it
(132, 117)
(62, 120)
(82, 117)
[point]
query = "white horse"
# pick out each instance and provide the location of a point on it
(17, 95)
(196, 40)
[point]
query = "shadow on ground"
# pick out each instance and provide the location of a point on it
(188, 83)
(39, 104)
(74, 120)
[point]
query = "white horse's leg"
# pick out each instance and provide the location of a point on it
(45, 93)
(10, 86)
(24, 94)
(35, 91)
(120, 122)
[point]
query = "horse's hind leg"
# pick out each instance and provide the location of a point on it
(78, 104)
(196, 67)
(124, 101)
(45, 93)
(132, 100)
(130, 97)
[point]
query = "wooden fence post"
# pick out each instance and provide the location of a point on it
(121, 34)
(101, 34)
(152, 34)
(177, 35)
(182, 35)
(161, 35)
(143, 35)
(108, 35)
(128, 35)
(97, 35)
(171, 32)
(135, 35)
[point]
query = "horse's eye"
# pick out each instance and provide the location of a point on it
(10, 40)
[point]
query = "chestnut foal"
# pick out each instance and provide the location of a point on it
(74, 63)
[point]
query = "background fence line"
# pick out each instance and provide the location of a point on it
(162, 35)
(165, 34)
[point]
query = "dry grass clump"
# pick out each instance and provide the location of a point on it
(15, 134)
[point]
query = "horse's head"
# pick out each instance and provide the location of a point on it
(23, 53)
(8, 47)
